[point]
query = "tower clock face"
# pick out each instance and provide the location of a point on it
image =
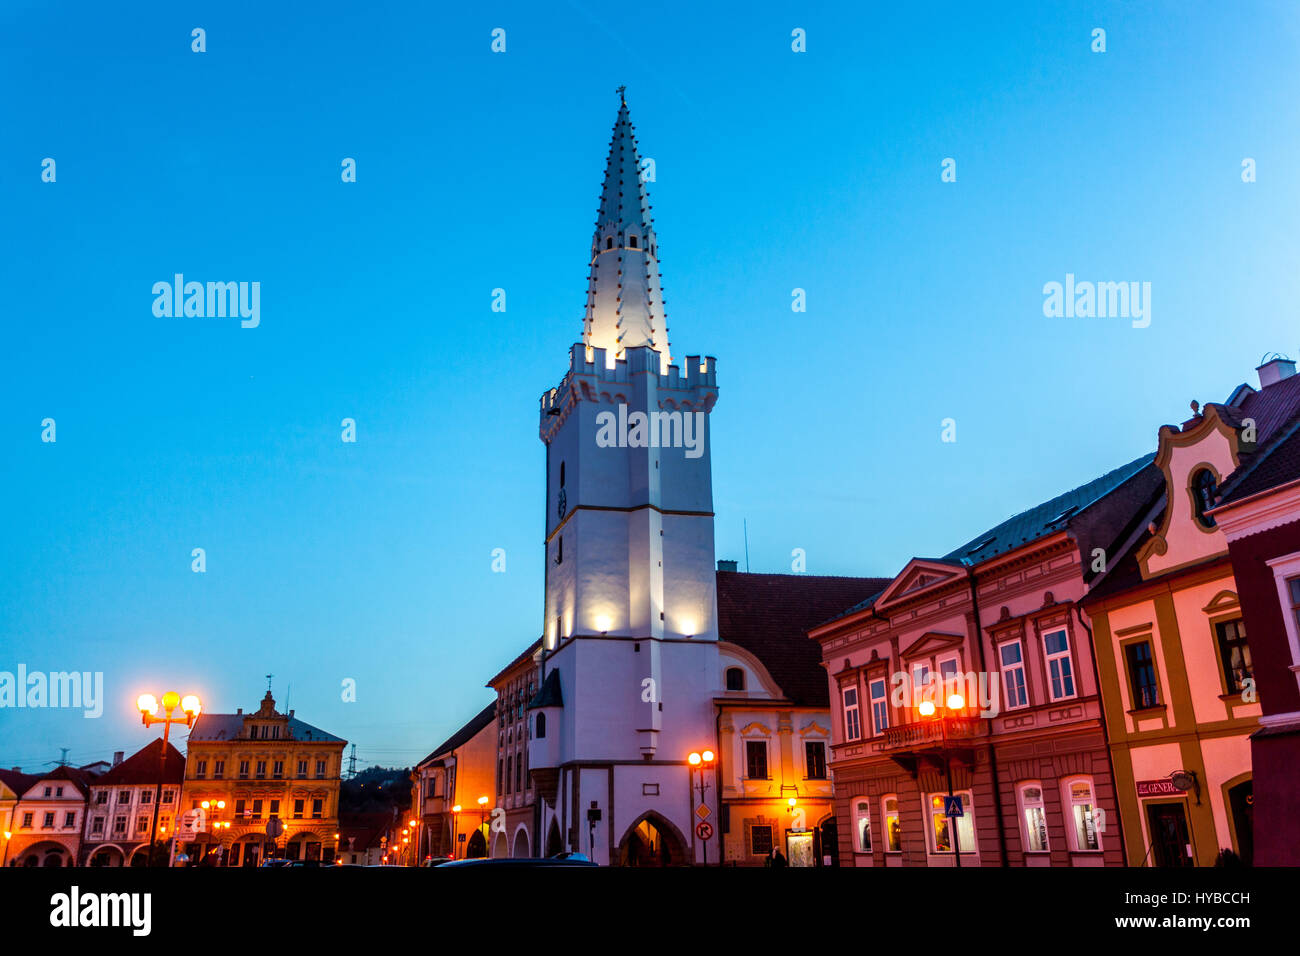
(561, 504)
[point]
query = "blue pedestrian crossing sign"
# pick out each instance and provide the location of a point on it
(952, 807)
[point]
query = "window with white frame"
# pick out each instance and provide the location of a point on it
(920, 683)
(1012, 656)
(1286, 575)
(893, 831)
(879, 705)
(1082, 815)
(852, 724)
(1060, 667)
(941, 831)
(862, 824)
(1033, 816)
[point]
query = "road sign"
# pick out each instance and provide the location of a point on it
(274, 827)
(952, 807)
(703, 830)
(191, 822)
(702, 811)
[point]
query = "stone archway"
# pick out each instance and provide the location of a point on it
(554, 845)
(45, 853)
(110, 856)
(521, 844)
(653, 841)
(500, 846)
(476, 846)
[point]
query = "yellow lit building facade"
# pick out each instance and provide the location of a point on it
(262, 765)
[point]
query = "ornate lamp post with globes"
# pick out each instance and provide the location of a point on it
(151, 714)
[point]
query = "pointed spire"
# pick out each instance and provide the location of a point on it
(625, 305)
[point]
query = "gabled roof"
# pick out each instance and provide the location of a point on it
(549, 694)
(919, 574)
(17, 781)
(465, 734)
(770, 615)
(78, 778)
(228, 727)
(1051, 516)
(524, 655)
(142, 767)
(1276, 463)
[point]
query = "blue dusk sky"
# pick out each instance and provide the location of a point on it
(775, 170)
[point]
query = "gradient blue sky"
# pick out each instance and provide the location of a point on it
(775, 170)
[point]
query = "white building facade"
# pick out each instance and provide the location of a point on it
(629, 659)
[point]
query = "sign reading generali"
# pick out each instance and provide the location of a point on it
(1157, 788)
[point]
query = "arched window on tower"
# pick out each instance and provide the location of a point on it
(541, 727)
(631, 241)
(1204, 493)
(609, 243)
(561, 474)
(735, 678)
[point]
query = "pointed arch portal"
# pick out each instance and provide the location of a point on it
(653, 841)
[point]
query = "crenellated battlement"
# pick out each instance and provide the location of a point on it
(588, 367)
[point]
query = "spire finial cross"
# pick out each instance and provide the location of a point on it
(621, 98)
(268, 682)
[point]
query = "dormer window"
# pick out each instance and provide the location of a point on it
(1204, 491)
(735, 678)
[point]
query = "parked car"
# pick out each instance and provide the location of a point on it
(562, 859)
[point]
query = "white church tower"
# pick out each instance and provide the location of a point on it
(629, 649)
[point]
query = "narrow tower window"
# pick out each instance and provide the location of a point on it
(609, 243)
(632, 241)
(561, 474)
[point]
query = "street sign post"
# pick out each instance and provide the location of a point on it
(703, 830)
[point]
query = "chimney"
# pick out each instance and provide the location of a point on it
(117, 756)
(726, 565)
(1275, 369)
(239, 710)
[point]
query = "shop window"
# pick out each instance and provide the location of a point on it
(862, 824)
(1033, 816)
(1082, 816)
(893, 830)
(941, 830)
(760, 839)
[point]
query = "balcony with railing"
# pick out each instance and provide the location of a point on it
(931, 734)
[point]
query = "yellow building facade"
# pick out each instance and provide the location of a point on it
(261, 765)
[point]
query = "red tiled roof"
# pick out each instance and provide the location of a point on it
(142, 767)
(770, 615)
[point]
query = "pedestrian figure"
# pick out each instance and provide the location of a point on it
(778, 859)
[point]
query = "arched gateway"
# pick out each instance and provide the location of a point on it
(653, 841)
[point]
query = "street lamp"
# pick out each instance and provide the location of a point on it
(455, 829)
(956, 703)
(217, 825)
(415, 851)
(151, 714)
(700, 760)
(5, 859)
